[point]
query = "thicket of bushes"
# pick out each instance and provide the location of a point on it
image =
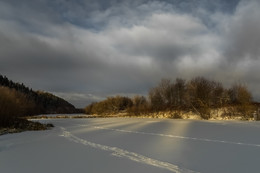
(199, 95)
(109, 106)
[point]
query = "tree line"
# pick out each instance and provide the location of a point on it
(17, 100)
(198, 95)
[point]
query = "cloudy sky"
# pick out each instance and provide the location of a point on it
(86, 50)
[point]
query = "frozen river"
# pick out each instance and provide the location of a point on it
(127, 145)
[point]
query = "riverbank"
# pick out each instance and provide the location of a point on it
(215, 115)
(20, 125)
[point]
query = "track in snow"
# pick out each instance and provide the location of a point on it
(134, 145)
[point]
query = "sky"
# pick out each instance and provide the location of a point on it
(87, 50)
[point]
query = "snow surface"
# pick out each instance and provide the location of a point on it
(115, 145)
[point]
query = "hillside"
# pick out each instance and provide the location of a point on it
(17, 100)
(46, 102)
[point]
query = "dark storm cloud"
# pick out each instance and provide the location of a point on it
(85, 50)
(243, 36)
(241, 40)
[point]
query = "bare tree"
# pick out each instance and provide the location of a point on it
(166, 90)
(239, 94)
(242, 99)
(179, 92)
(156, 99)
(200, 95)
(140, 105)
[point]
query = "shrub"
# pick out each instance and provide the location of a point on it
(204, 113)
(111, 105)
(176, 115)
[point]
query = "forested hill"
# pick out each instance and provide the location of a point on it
(33, 102)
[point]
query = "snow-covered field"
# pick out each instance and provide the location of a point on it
(129, 145)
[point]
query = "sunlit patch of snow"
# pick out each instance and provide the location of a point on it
(174, 136)
(126, 154)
